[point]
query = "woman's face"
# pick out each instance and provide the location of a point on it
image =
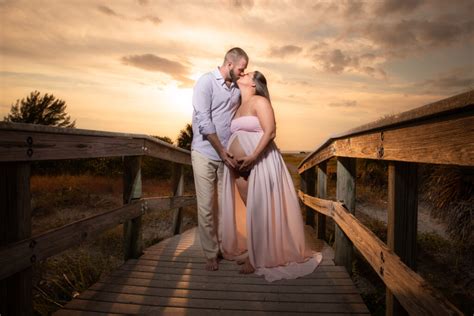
(246, 80)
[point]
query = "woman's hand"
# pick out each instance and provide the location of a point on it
(246, 163)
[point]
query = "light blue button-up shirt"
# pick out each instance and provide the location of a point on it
(214, 106)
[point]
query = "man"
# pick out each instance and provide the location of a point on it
(215, 99)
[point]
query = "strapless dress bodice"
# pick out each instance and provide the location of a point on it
(247, 123)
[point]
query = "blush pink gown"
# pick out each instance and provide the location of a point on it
(270, 229)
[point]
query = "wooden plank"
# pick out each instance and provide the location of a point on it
(308, 185)
(455, 107)
(153, 148)
(27, 142)
(151, 265)
(234, 278)
(345, 192)
(177, 187)
(223, 304)
(130, 308)
(132, 191)
(18, 256)
(229, 294)
(15, 224)
(34, 146)
(402, 221)
(413, 292)
(339, 289)
(321, 193)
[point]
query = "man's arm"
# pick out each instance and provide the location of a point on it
(226, 156)
(202, 101)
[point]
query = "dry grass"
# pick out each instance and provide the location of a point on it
(60, 200)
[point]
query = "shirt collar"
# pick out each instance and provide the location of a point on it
(220, 79)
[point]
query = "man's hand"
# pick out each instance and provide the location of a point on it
(228, 159)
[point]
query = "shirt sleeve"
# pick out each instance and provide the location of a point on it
(202, 103)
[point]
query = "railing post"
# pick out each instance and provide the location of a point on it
(322, 193)
(132, 189)
(345, 192)
(402, 220)
(15, 224)
(307, 185)
(177, 184)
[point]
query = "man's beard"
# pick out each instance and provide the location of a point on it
(232, 76)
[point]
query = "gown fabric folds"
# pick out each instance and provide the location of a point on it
(270, 229)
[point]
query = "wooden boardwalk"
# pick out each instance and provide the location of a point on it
(169, 278)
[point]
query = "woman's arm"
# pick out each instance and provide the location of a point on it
(266, 116)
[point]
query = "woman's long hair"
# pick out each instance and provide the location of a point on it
(261, 85)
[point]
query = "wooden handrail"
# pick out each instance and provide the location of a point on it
(20, 255)
(440, 133)
(413, 292)
(31, 142)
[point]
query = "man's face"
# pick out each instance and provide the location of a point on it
(237, 69)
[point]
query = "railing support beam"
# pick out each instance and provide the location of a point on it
(308, 186)
(132, 189)
(177, 184)
(321, 193)
(345, 192)
(15, 224)
(402, 221)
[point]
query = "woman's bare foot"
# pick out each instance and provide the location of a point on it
(247, 267)
(212, 265)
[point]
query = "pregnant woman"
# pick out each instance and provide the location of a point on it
(261, 223)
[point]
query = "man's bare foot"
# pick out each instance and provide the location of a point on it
(212, 265)
(247, 267)
(240, 262)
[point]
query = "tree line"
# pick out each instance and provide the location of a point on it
(48, 110)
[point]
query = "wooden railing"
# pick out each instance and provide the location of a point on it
(21, 144)
(438, 133)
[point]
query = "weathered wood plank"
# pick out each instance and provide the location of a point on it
(413, 292)
(308, 182)
(229, 294)
(335, 289)
(321, 193)
(234, 278)
(345, 192)
(130, 308)
(31, 142)
(402, 221)
(18, 256)
(15, 224)
(132, 191)
(177, 187)
(223, 304)
(443, 140)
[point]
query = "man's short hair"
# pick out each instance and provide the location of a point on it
(234, 54)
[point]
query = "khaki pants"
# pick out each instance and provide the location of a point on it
(208, 175)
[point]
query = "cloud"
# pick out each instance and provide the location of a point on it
(242, 4)
(345, 104)
(108, 11)
(353, 8)
(449, 82)
(143, 2)
(336, 61)
(150, 18)
(403, 37)
(285, 51)
(153, 19)
(152, 62)
(397, 6)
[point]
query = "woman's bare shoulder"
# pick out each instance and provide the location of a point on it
(259, 101)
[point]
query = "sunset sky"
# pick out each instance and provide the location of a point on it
(130, 65)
